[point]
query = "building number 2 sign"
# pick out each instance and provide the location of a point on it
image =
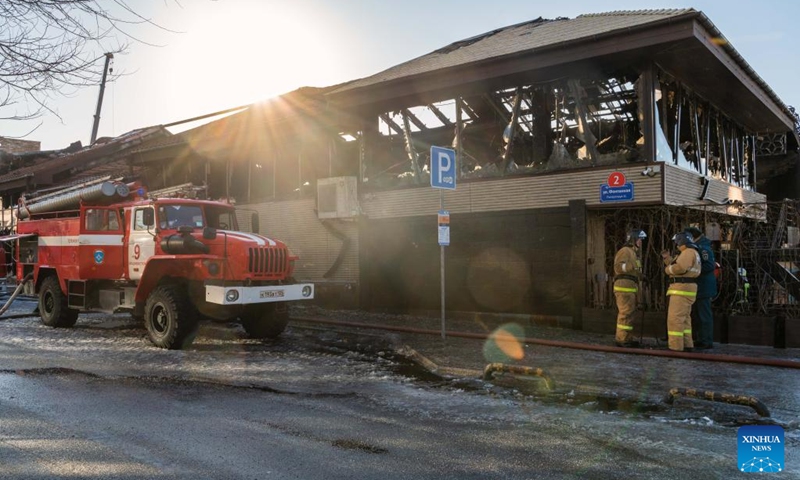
(616, 179)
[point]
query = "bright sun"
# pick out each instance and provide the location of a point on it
(242, 51)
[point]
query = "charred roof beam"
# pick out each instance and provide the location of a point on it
(391, 123)
(526, 110)
(413, 118)
(496, 106)
(504, 105)
(441, 116)
(511, 129)
(410, 150)
(466, 108)
(588, 138)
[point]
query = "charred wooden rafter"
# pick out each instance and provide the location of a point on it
(583, 123)
(469, 111)
(441, 116)
(416, 121)
(496, 105)
(596, 118)
(410, 150)
(511, 129)
(391, 123)
(710, 142)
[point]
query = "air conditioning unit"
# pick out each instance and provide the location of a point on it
(337, 197)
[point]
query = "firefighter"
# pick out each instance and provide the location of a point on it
(706, 290)
(627, 272)
(683, 271)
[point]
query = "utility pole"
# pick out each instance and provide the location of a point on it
(96, 124)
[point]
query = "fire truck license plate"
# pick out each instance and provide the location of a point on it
(271, 293)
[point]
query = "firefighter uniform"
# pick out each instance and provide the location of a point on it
(706, 290)
(683, 271)
(627, 271)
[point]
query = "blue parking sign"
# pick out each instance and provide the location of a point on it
(443, 168)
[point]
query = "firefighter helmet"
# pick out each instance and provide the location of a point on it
(694, 232)
(634, 235)
(682, 238)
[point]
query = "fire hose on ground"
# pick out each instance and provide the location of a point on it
(769, 362)
(518, 370)
(15, 294)
(491, 368)
(729, 398)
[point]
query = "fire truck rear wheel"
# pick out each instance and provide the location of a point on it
(266, 320)
(169, 318)
(53, 305)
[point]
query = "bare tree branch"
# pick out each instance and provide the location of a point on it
(48, 47)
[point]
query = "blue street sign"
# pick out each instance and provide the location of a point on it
(622, 193)
(443, 168)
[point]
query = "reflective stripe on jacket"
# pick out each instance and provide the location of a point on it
(686, 265)
(619, 288)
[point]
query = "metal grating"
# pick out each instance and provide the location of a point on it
(268, 261)
(770, 144)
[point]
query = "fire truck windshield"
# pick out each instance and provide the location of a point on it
(174, 216)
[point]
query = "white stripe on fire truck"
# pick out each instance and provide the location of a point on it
(93, 240)
(116, 240)
(253, 238)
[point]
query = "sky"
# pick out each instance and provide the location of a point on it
(213, 55)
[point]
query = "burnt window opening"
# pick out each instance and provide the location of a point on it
(239, 182)
(563, 124)
(708, 142)
(262, 172)
(287, 176)
(309, 171)
(290, 169)
(524, 129)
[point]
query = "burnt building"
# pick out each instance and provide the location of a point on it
(568, 132)
(25, 174)
(16, 145)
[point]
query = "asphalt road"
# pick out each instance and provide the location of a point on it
(98, 401)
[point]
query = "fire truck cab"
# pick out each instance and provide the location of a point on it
(169, 261)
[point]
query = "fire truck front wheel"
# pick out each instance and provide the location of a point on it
(169, 319)
(265, 320)
(53, 305)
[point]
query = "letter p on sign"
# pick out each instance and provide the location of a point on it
(443, 168)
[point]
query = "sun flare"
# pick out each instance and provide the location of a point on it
(245, 51)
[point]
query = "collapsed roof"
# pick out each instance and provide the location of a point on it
(682, 42)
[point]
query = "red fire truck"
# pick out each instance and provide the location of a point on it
(110, 247)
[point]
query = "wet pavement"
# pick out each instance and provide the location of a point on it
(78, 426)
(374, 403)
(611, 380)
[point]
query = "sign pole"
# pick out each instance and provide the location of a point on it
(443, 177)
(441, 261)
